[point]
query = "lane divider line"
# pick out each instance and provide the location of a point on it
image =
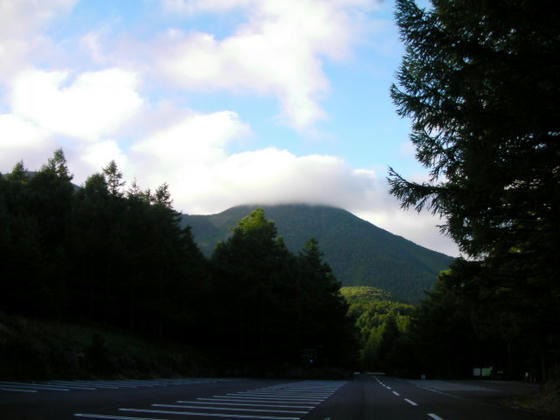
(434, 416)
(411, 402)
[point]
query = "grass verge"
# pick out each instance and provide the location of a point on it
(545, 403)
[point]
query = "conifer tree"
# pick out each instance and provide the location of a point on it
(114, 179)
(480, 81)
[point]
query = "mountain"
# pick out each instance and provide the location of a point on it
(360, 253)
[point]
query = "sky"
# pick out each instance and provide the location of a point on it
(229, 102)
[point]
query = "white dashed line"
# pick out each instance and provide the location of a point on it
(411, 402)
(396, 393)
(434, 416)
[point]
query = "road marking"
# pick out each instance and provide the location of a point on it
(298, 395)
(411, 402)
(396, 393)
(187, 413)
(81, 385)
(102, 416)
(26, 385)
(78, 385)
(434, 416)
(270, 399)
(234, 402)
(287, 392)
(17, 390)
(290, 401)
(249, 410)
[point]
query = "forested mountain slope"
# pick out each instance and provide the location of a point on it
(359, 253)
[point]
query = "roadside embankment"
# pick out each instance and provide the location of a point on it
(42, 349)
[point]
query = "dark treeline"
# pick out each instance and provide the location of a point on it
(465, 322)
(117, 257)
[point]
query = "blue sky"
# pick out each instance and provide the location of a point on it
(228, 101)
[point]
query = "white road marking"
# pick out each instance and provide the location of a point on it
(280, 395)
(81, 385)
(411, 402)
(287, 392)
(434, 416)
(187, 413)
(295, 399)
(270, 399)
(249, 410)
(28, 385)
(103, 416)
(234, 402)
(88, 385)
(17, 390)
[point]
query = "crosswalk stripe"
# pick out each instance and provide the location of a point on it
(249, 410)
(271, 399)
(85, 385)
(93, 385)
(17, 390)
(37, 386)
(103, 416)
(251, 404)
(187, 413)
(280, 402)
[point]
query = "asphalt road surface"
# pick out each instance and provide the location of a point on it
(366, 397)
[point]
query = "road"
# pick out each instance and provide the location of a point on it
(366, 397)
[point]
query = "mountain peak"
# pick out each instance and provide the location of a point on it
(360, 253)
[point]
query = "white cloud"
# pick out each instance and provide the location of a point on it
(197, 6)
(97, 155)
(23, 140)
(20, 24)
(277, 52)
(419, 228)
(93, 105)
(195, 139)
(185, 151)
(272, 176)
